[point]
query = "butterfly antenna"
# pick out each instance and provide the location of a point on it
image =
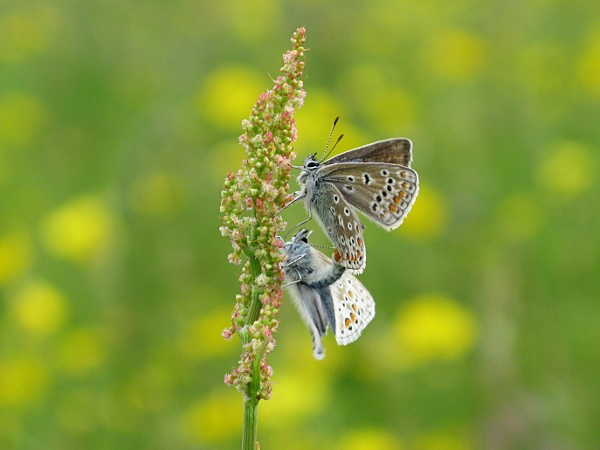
(329, 247)
(334, 146)
(325, 152)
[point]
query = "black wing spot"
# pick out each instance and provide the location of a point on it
(367, 178)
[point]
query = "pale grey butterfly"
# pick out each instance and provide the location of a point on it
(376, 179)
(325, 294)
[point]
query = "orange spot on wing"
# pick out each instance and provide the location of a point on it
(396, 199)
(336, 255)
(393, 208)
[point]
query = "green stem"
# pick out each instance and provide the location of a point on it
(251, 402)
(250, 423)
(252, 390)
(255, 270)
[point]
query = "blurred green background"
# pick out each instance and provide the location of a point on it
(118, 123)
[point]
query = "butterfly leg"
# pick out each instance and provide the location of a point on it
(297, 196)
(300, 223)
(289, 263)
(293, 282)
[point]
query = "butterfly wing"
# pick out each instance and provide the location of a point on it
(383, 192)
(309, 305)
(340, 222)
(391, 151)
(354, 308)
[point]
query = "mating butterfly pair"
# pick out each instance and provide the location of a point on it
(375, 179)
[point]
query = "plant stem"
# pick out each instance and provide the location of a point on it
(250, 423)
(251, 402)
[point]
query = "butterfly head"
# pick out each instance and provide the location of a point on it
(311, 164)
(298, 242)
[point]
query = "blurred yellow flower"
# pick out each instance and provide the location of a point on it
(80, 230)
(227, 95)
(428, 215)
(314, 122)
(222, 155)
(202, 337)
(27, 32)
(15, 255)
(157, 194)
(442, 441)
(21, 117)
(588, 66)
(388, 108)
(39, 307)
(569, 170)
(519, 216)
(81, 351)
(434, 327)
(368, 439)
(23, 381)
(213, 419)
(293, 398)
(456, 55)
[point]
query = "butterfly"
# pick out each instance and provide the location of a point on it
(376, 179)
(325, 294)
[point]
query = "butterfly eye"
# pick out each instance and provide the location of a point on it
(311, 165)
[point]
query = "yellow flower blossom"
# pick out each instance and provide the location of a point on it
(228, 94)
(314, 121)
(202, 338)
(27, 32)
(157, 194)
(21, 117)
(15, 255)
(443, 440)
(371, 94)
(428, 215)
(79, 230)
(293, 401)
(213, 419)
(588, 66)
(569, 170)
(39, 308)
(367, 439)
(456, 55)
(23, 381)
(434, 327)
(81, 351)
